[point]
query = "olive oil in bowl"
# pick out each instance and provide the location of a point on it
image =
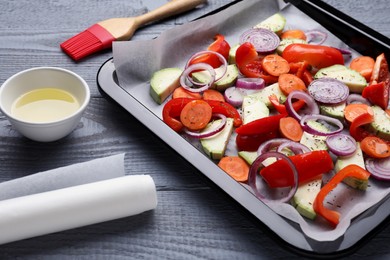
(44, 105)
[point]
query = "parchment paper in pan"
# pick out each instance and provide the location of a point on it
(135, 62)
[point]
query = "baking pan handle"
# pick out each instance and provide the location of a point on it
(355, 34)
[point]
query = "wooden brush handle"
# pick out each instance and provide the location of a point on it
(171, 8)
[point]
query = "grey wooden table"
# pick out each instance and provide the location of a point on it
(194, 219)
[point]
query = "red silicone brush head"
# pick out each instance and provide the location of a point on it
(94, 39)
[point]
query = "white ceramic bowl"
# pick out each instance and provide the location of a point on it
(42, 77)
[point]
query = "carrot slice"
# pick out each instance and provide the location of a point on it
(212, 94)
(196, 115)
(364, 65)
(290, 128)
(275, 65)
(293, 34)
(181, 92)
(375, 147)
(290, 82)
(236, 167)
(354, 110)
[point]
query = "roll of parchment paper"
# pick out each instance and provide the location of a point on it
(72, 207)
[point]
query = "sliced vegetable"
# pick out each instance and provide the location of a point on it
(210, 131)
(375, 147)
(328, 91)
(252, 142)
(379, 168)
(234, 96)
(356, 130)
(293, 34)
(281, 108)
(248, 61)
(316, 36)
(197, 87)
(341, 144)
(171, 112)
(356, 98)
(181, 92)
(378, 94)
(236, 167)
(226, 109)
(261, 126)
(290, 82)
(354, 110)
(290, 128)
(312, 107)
(295, 147)
(163, 83)
(275, 23)
(265, 192)
(212, 94)
(329, 121)
(381, 70)
(250, 83)
(316, 55)
(332, 216)
(275, 65)
(221, 46)
(309, 165)
(263, 40)
(270, 145)
(364, 65)
(196, 115)
(355, 82)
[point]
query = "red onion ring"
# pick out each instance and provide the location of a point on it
(198, 86)
(261, 188)
(210, 132)
(250, 83)
(295, 147)
(220, 57)
(328, 91)
(268, 145)
(316, 37)
(234, 96)
(379, 168)
(263, 40)
(306, 127)
(356, 98)
(310, 102)
(341, 144)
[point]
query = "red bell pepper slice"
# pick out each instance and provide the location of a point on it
(249, 63)
(252, 142)
(219, 45)
(378, 94)
(318, 56)
(297, 105)
(309, 165)
(171, 112)
(261, 126)
(355, 129)
(220, 107)
(332, 216)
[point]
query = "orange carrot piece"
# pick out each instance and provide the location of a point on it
(275, 65)
(196, 115)
(293, 34)
(375, 147)
(212, 94)
(364, 65)
(354, 110)
(290, 82)
(290, 128)
(236, 167)
(181, 92)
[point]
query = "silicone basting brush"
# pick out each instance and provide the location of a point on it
(101, 35)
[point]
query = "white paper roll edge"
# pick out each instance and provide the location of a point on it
(77, 206)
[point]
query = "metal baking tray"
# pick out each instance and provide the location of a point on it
(357, 36)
